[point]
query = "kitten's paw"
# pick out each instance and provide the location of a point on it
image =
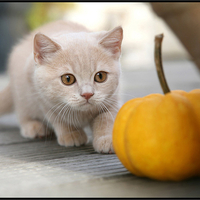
(103, 144)
(75, 138)
(33, 129)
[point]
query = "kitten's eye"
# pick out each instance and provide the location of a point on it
(100, 77)
(68, 79)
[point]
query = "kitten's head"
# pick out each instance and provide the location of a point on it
(79, 69)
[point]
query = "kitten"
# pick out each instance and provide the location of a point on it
(62, 78)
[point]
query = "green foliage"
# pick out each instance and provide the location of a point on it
(41, 13)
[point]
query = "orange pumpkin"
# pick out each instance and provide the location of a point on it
(158, 136)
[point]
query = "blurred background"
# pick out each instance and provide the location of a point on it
(139, 22)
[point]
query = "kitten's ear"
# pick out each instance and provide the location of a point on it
(112, 41)
(44, 48)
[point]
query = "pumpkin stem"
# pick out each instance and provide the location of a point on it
(158, 62)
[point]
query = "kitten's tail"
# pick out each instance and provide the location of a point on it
(6, 101)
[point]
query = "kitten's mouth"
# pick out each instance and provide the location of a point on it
(84, 106)
(86, 103)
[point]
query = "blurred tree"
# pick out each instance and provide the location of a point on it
(41, 13)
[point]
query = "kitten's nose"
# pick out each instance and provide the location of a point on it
(87, 95)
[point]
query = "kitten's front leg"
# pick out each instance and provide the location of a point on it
(33, 129)
(102, 132)
(69, 136)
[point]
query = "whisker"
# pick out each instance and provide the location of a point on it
(64, 115)
(101, 116)
(115, 107)
(70, 120)
(58, 117)
(52, 110)
(106, 115)
(108, 111)
(120, 93)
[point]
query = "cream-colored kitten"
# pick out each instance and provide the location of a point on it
(62, 78)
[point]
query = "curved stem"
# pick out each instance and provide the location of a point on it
(158, 62)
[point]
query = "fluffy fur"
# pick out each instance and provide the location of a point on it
(43, 103)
